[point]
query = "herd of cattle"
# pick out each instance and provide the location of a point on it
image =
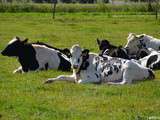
(113, 65)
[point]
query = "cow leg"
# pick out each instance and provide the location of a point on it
(126, 78)
(90, 79)
(84, 81)
(18, 70)
(70, 78)
(117, 83)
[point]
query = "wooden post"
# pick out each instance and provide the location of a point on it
(54, 3)
(156, 8)
(149, 6)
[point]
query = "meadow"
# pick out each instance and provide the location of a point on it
(25, 97)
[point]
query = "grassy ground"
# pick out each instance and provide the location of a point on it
(24, 97)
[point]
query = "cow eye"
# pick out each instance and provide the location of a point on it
(78, 60)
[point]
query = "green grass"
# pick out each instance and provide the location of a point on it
(24, 97)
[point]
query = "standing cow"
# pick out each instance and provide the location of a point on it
(91, 68)
(33, 57)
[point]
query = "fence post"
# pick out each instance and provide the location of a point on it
(54, 3)
(156, 8)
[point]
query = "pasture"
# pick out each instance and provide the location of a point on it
(25, 97)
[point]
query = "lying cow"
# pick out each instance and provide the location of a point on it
(137, 42)
(108, 49)
(33, 57)
(152, 60)
(91, 68)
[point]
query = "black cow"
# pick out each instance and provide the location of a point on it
(108, 49)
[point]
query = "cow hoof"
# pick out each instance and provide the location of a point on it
(17, 71)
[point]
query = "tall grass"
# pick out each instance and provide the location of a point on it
(71, 8)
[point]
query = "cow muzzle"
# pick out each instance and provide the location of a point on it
(3, 53)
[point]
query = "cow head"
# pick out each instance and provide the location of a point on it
(103, 44)
(78, 56)
(14, 47)
(135, 43)
(66, 51)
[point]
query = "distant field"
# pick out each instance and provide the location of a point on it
(24, 97)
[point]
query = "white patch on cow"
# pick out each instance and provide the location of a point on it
(12, 41)
(46, 55)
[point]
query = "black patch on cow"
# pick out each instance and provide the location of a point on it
(119, 52)
(151, 74)
(115, 68)
(151, 60)
(110, 72)
(105, 44)
(142, 44)
(84, 65)
(27, 58)
(85, 56)
(46, 66)
(156, 65)
(105, 75)
(64, 64)
(96, 75)
(141, 54)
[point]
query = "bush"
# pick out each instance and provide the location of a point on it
(32, 7)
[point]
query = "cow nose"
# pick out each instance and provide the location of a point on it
(2, 52)
(75, 66)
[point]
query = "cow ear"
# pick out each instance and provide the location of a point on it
(132, 34)
(17, 38)
(98, 41)
(66, 51)
(25, 40)
(85, 52)
(141, 36)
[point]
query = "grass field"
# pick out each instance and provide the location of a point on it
(24, 97)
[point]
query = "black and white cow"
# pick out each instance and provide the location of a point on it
(91, 68)
(65, 51)
(108, 49)
(152, 60)
(33, 57)
(137, 42)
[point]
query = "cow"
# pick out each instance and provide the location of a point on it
(92, 68)
(36, 56)
(152, 60)
(137, 42)
(108, 49)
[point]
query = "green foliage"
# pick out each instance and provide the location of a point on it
(32, 7)
(25, 97)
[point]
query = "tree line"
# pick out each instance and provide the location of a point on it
(73, 1)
